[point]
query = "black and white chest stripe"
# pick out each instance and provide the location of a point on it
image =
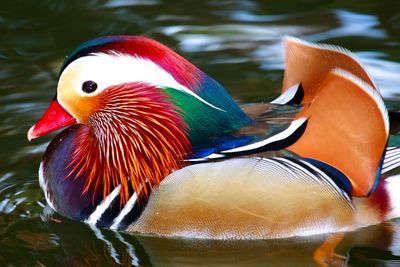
(111, 214)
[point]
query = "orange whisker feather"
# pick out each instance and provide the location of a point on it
(136, 138)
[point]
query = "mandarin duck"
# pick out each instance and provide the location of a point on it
(156, 146)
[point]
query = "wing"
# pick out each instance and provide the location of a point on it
(272, 128)
(347, 128)
(247, 198)
(230, 146)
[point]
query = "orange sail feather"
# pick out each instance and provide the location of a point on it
(347, 129)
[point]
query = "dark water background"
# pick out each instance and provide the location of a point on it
(239, 44)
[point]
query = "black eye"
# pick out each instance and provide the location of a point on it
(89, 86)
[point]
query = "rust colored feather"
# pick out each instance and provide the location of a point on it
(135, 137)
(309, 63)
(347, 129)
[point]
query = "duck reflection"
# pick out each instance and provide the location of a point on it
(90, 246)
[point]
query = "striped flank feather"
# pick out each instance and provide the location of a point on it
(392, 159)
(247, 198)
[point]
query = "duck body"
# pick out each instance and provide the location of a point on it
(155, 146)
(277, 203)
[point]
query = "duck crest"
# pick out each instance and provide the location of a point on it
(225, 116)
(182, 71)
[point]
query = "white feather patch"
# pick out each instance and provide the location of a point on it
(286, 96)
(43, 185)
(113, 69)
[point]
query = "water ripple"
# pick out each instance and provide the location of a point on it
(236, 41)
(352, 24)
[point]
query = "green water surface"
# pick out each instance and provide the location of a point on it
(235, 41)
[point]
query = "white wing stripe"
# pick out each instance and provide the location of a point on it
(330, 182)
(390, 161)
(301, 169)
(286, 96)
(390, 167)
(391, 152)
(318, 176)
(280, 165)
(211, 156)
(278, 137)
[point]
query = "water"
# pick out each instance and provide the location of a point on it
(236, 42)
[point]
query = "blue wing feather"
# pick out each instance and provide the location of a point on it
(217, 144)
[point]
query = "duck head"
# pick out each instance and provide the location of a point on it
(134, 108)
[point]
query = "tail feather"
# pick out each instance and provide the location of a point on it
(348, 128)
(309, 63)
(392, 159)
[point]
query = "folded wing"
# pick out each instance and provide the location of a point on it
(347, 128)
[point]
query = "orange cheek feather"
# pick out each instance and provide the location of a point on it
(135, 137)
(80, 107)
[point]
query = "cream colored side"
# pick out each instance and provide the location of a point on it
(244, 199)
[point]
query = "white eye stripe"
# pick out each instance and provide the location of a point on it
(108, 70)
(112, 69)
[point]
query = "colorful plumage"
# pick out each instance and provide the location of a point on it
(156, 146)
